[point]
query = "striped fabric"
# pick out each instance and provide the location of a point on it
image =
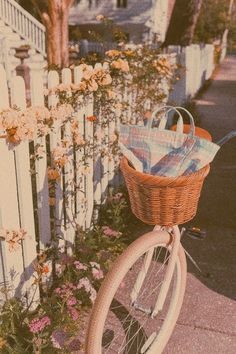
(165, 152)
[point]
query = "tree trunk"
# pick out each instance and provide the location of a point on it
(65, 8)
(56, 23)
(183, 22)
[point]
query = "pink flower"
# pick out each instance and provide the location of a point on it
(57, 291)
(97, 273)
(71, 301)
(80, 266)
(73, 313)
(85, 283)
(109, 232)
(93, 295)
(37, 325)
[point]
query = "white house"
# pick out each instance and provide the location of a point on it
(139, 19)
(19, 28)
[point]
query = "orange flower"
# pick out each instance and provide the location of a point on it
(45, 269)
(12, 137)
(92, 118)
(53, 174)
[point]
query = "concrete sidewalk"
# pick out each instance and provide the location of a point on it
(207, 324)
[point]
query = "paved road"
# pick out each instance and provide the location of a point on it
(207, 324)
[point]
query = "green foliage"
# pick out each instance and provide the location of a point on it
(57, 324)
(212, 21)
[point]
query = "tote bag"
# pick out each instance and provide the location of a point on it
(164, 152)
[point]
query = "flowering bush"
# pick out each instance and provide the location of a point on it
(127, 85)
(59, 321)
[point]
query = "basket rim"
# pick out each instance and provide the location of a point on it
(162, 180)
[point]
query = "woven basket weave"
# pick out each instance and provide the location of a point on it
(164, 201)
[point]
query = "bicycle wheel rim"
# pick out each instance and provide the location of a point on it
(111, 286)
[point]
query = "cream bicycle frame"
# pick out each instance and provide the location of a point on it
(175, 233)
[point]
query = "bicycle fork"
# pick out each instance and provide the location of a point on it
(176, 236)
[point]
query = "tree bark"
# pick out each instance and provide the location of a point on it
(56, 21)
(65, 8)
(183, 22)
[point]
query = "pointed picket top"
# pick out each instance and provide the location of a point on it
(106, 65)
(53, 82)
(66, 76)
(98, 65)
(4, 98)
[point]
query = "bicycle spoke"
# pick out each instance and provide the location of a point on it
(129, 334)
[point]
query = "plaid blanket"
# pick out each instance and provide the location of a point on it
(165, 152)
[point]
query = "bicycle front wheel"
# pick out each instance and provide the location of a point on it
(121, 319)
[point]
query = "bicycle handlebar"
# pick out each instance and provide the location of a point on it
(226, 138)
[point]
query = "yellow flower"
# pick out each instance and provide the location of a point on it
(92, 85)
(129, 53)
(120, 64)
(53, 174)
(82, 86)
(111, 94)
(113, 53)
(100, 17)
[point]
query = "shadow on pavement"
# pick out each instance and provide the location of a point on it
(217, 212)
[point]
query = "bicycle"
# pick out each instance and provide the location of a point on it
(147, 280)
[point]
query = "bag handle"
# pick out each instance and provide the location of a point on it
(180, 120)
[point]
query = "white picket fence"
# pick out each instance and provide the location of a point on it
(17, 202)
(16, 197)
(196, 66)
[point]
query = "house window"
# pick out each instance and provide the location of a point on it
(121, 3)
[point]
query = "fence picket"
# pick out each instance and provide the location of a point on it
(69, 180)
(13, 261)
(37, 99)
(79, 158)
(97, 170)
(24, 191)
(104, 162)
(89, 163)
(55, 140)
(111, 158)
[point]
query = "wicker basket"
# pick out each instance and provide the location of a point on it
(163, 201)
